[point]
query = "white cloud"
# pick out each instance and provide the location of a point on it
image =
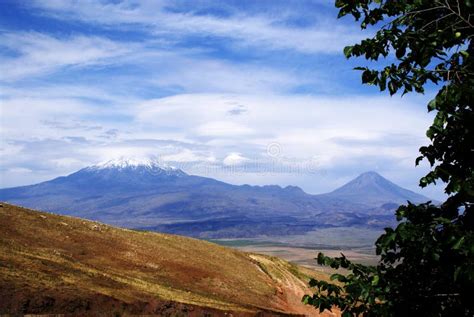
(67, 163)
(226, 129)
(19, 170)
(234, 159)
(303, 126)
(41, 54)
(200, 74)
(65, 91)
(335, 130)
(262, 31)
(188, 155)
(25, 118)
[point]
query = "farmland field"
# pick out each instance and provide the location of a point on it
(356, 244)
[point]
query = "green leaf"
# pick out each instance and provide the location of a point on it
(339, 277)
(306, 299)
(400, 52)
(348, 51)
(392, 88)
(432, 105)
(375, 280)
(458, 244)
(457, 271)
(321, 258)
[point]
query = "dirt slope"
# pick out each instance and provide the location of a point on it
(62, 265)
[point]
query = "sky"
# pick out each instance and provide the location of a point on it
(248, 92)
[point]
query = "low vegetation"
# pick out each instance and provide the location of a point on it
(57, 264)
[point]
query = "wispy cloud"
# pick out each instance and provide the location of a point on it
(174, 70)
(161, 18)
(201, 74)
(38, 53)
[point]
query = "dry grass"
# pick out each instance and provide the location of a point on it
(58, 264)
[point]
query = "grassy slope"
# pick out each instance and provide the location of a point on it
(58, 264)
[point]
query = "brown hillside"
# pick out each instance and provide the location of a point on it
(53, 264)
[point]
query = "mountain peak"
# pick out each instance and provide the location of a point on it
(134, 162)
(370, 175)
(377, 189)
(367, 181)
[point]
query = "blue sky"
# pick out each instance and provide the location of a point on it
(252, 92)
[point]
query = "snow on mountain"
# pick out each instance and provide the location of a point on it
(133, 163)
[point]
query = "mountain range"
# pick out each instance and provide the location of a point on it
(145, 194)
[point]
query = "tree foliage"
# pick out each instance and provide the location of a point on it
(426, 265)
